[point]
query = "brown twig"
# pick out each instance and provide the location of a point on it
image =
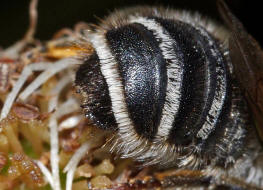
(32, 21)
(13, 51)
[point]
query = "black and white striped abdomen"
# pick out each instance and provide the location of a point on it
(160, 82)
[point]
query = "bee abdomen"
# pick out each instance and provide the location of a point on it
(167, 84)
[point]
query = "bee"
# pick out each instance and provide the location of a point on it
(171, 90)
(173, 94)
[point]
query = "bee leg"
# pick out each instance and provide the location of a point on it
(197, 178)
(186, 178)
(189, 178)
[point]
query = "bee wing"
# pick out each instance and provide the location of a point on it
(247, 59)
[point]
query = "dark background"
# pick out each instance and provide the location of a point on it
(56, 14)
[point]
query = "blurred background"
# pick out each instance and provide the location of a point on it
(57, 14)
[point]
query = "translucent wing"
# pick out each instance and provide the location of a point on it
(247, 59)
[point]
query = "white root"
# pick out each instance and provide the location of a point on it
(70, 168)
(43, 77)
(54, 158)
(27, 71)
(54, 139)
(73, 163)
(56, 91)
(46, 172)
